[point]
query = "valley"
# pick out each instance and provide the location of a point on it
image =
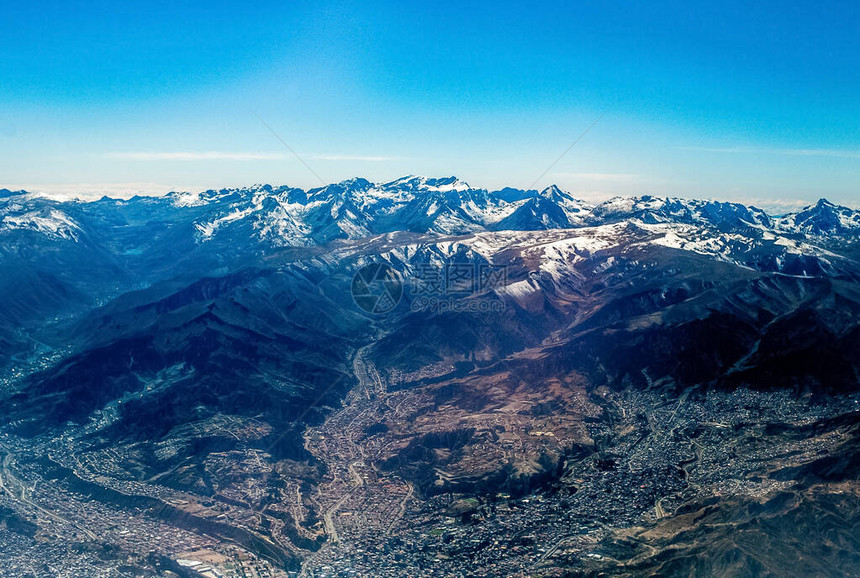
(645, 386)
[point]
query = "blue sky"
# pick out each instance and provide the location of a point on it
(754, 101)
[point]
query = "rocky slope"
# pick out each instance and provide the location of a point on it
(633, 377)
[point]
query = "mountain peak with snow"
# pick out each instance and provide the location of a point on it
(421, 183)
(824, 218)
(357, 208)
(551, 191)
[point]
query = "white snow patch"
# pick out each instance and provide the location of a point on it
(519, 289)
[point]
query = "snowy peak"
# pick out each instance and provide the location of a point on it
(21, 212)
(733, 214)
(551, 208)
(552, 192)
(225, 197)
(426, 184)
(823, 218)
(650, 209)
(566, 201)
(260, 217)
(539, 212)
(341, 189)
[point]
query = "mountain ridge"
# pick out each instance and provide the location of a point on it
(357, 207)
(628, 361)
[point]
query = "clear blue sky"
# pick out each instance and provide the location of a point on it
(742, 100)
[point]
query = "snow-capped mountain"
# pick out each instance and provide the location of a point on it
(20, 212)
(357, 208)
(204, 339)
(822, 219)
(72, 256)
(256, 219)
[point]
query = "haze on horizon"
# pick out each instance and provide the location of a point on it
(755, 102)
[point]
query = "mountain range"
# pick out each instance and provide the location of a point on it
(649, 385)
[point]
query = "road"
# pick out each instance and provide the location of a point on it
(402, 508)
(328, 519)
(379, 499)
(11, 482)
